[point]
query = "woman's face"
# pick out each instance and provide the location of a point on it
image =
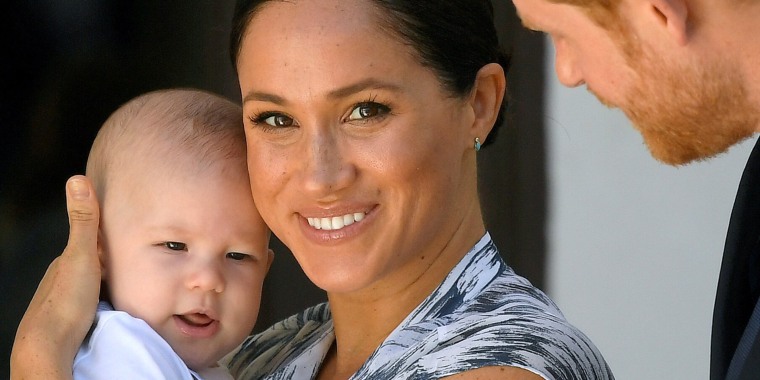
(360, 162)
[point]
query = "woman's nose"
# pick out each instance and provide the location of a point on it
(206, 276)
(327, 167)
(566, 65)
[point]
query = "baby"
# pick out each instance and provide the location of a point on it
(183, 249)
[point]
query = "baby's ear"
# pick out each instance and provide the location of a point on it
(101, 255)
(104, 292)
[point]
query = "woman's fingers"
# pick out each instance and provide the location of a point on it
(63, 307)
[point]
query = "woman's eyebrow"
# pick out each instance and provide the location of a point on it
(338, 93)
(370, 83)
(264, 97)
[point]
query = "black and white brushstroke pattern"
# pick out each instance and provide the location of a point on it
(482, 314)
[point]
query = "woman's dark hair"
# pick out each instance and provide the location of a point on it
(455, 38)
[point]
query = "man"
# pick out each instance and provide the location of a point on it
(686, 73)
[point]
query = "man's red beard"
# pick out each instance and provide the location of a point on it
(687, 113)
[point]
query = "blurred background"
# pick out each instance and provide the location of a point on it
(628, 248)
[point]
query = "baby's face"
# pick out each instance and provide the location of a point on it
(187, 254)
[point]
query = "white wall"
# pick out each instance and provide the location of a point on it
(634, 246)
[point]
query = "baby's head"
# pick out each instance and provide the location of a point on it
(182, 244)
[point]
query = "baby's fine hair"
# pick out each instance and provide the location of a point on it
(187, 128)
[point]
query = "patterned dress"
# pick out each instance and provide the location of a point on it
(482, 314)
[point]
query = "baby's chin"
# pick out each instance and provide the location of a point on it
(200, 362)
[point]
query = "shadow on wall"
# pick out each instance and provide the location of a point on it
(73, 63)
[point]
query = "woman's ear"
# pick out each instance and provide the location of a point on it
(486, 98)
(674, 16)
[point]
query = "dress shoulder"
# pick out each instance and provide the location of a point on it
(512, 323)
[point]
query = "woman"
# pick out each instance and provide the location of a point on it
(363, 120)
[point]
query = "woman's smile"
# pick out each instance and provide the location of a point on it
(336, 227)
(336, 222)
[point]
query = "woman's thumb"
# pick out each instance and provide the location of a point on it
(82, 206)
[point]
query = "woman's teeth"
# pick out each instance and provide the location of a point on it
(336, 222)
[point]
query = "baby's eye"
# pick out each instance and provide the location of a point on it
(367, 110)
(176, 246)
(237, 256)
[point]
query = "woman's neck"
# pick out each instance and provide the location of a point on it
(364, 319)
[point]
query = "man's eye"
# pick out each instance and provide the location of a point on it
(367, 110)
(237, 256)
(176, 246)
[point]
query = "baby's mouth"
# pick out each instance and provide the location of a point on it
(196, 319)
(197, 325)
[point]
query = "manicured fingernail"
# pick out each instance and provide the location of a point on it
(78, 189)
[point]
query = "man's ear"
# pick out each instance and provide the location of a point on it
(487, 95)
(674, 15)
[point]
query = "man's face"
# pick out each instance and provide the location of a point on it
(686, 106)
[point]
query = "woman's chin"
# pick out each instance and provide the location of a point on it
(338, 279)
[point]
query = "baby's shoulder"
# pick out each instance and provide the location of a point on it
(120, 343)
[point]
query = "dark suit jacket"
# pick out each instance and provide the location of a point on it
(739, 283)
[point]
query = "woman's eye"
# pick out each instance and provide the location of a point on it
(176, 246)
(237, 256)
(368, 110)
(279, 121)
(272, 119)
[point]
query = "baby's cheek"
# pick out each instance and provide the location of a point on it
(244, 305)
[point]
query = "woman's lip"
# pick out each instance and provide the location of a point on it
(196, 325)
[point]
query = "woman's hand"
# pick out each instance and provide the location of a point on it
(63, 307)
